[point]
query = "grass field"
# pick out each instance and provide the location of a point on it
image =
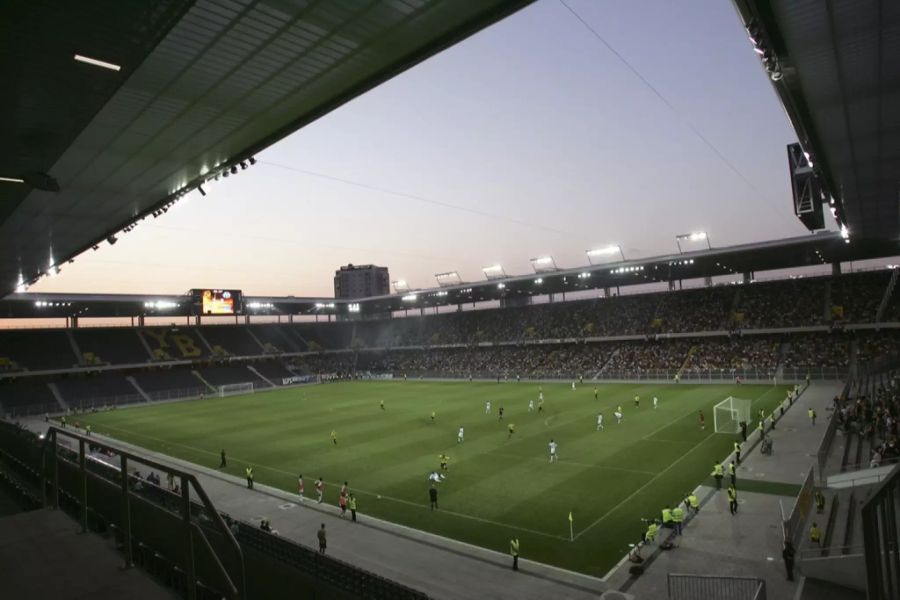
(495, 488)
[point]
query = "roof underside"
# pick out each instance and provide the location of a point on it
(841, 88)
(203, 83)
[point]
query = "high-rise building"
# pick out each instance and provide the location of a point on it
(361, 281)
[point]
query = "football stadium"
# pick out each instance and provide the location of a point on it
(702, 405)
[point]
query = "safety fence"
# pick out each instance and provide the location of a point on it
(714, 587)
(171, 529)
(792, 525)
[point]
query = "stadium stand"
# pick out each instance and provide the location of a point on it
(817, 351)
(274, 371)
(693, 310)
(37, 350)
(274, 339)
(168, 383)
(783, 303)
(231, 374)
(231, 340)
(115, 346)
(855, 297)
(174, 343)
(27, 396)
(88, 390)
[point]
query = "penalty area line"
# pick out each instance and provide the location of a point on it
(710, 436)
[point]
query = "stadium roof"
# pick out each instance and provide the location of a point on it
(190, 88)
(836, 67)
(820, 249)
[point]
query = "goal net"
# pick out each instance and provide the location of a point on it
(729, 413)
(235, 389)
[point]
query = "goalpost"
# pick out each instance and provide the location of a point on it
(235, 389)
(728, 414)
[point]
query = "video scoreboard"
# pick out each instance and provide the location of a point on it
(217, 302)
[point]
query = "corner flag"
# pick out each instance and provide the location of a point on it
(571, 533)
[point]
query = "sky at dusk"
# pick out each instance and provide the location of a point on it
(529, 138)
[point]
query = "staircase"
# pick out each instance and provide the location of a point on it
(205, 342)
(75, 348)
(253, 370)
(140, 390)
(144, 343)
(59, 399)
(886, 298)
(262, 348)
(606, 362)
(686, 360)
(205, 382)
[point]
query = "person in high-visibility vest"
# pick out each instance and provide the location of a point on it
(737, 452)
(820, 501)
(694, 502)
(514, 550)
(732, 499)
(732, 471)
(815, 534)
(667, 517)
(353, 508)
(249, 472)
(650, 535)
(718, 472)
(812, 416)
(678, 518)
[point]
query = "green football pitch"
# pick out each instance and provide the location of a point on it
(496, 487)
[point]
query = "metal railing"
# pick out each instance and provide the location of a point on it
(53, 462)
(715, 587)
(881, 535)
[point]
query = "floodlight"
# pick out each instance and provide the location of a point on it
(353, 307)
(400, 286)
(21, 288)
(493, 272)
(447, 279)
(694, 237)
(410, 298)
(543, 264)
(539, 281)
(501, 286)
(597, 255)
(12, 180)
(97, 63)
(845, 233)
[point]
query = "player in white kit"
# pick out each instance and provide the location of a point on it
(530, 405)
(460, 436)
(573, 386)
(599, 421)
(618, 416)
(553, 455)
(487, 407)
(655, 401)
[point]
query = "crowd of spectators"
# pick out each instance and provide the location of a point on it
(508, 362)
(734, 353)
(705, 309)
(856, 296)
(785, 303)
(817, 351)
